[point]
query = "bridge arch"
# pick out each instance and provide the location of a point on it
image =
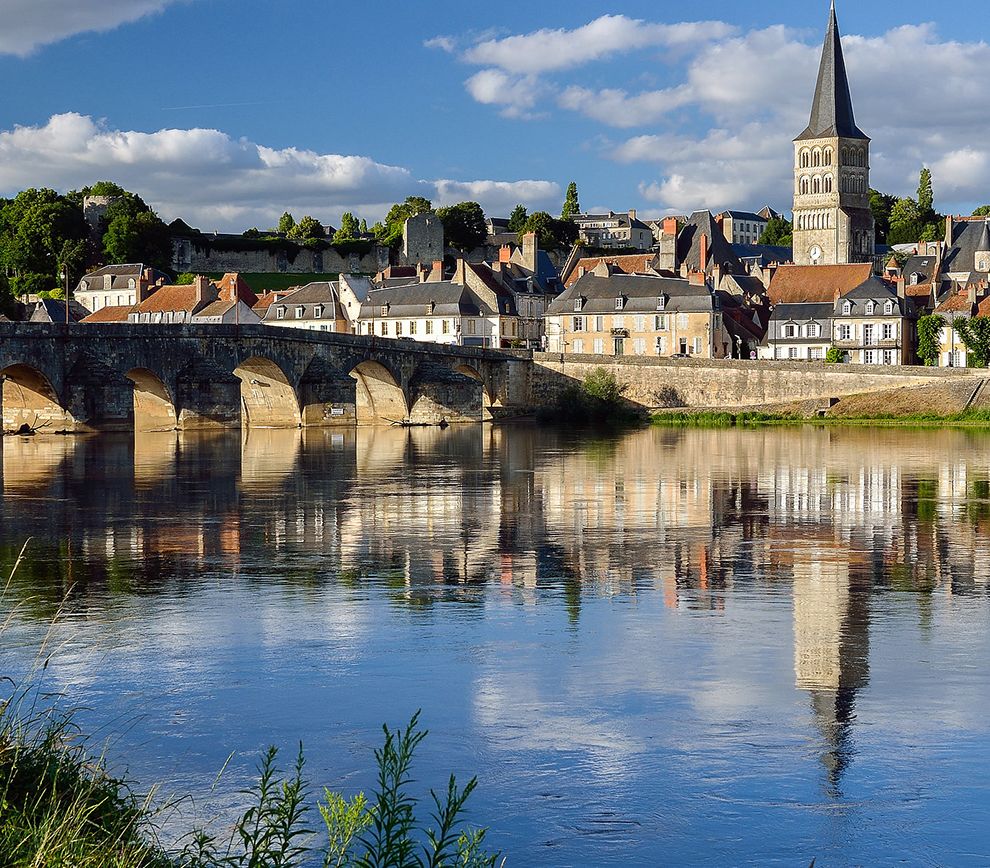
(154, 404)
(30, 400)
(268, 398)
(379, 397)
(439, 393)
(487, 393)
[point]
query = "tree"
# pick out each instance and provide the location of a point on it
(390, 232)
(571, 205)
(464, 225)
(835, 356)
(34, 227)
(364, 226)
(982, 211)
(349, 228)
(926, 195)
(906, 223)
(308, 229)
(551, 234)
(135, 233)
(517, 219)
(286, 223)
(930, 338)
(7, 300)
(778, 233)
(71, 262)
(975, 335)
(881, 205)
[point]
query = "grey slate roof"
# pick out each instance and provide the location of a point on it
(832, 112)
(417, 300)
(745, 215)
(875, 290)
(308, 297)
(967, 238)
(122, 275)
(720, 251)
(765, 253)
(640, 293)
(53, 310)
(923, 265)
(802, 312)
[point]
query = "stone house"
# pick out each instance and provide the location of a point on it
(53, 310)
(175, 304)
(873, 325)
(959, 305)
(967, 249)
(614, 230)
(741, 227)
(800, 332)
(118, 286)
(610, 314)
(314, 307)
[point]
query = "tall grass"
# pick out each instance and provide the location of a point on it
(61, 806)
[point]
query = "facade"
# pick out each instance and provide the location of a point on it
(117, 285)
(175, 304)
(960, 305)
(833, 223)
(422, 240)
(609, 314)
(614, 230)
(529, 275)
(800, 332)
(313, 307)
(742, 227)
(873, 325)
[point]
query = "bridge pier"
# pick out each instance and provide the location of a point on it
(97, 398)
(329, 401)
(441, 394)
(207, 398)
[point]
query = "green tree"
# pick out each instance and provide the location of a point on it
(134, 233)
(308, 229)
(881, 205)
(34, 227)
(464, 226)
(71, 262)
(975, 335)
(349, 228)
(926, 194)
(187, 278)
(8, 303)
(834, 356)
(286, 223)
(930, 338)
(517, 219)
(551, 234)
(982, 211)
(364, 226)
(572, 207)
(906, 222)
(778, 233)
(390, 232)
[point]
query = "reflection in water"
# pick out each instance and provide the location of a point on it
(709, 524)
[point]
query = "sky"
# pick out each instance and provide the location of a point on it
(229, 112)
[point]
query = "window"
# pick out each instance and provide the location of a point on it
(661, 303)
(577, 324)
(847, 308)
(888, 331)
(867, 335)
(318, 311)
(578, 347)
(888, 308)
(619, 303)
(639, 347)
(794, 353)
(300, 311)
(888, 357)
(384, 310)
(599, 347)
(682, 320)
(812, 330)
(280, 313)
(915, 279)
(661, 346)
(578, 304)
(429, 327)
(660, 323)
(472, 327)
(412, 327)
(618, 322)
(445, 327)
(599, 324)
(816, 354)
(845, 333)
(640, 326)
(790, 331)
(869, 357)
(384, 328)
(697, 346)
(398, 329)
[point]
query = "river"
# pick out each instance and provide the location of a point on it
(664, 647)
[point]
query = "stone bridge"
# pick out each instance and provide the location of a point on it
(162, 377)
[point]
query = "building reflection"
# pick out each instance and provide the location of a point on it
(692, 518)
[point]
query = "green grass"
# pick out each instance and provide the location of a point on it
(711, 419)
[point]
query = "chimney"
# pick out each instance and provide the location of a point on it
(632, 213)
(143, 287)
(603, 269)
(505, 253)
(108, 281)
(972, 294)
(717, 276)
(530, 249)
(696, 278)
(148, 275)
(436, 272)
(901, 287)
(582, 271)
(703, 245)
(202, 286)
(948, 230)
(460, 272)
(670, 226)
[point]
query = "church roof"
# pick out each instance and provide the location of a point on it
(832, 112)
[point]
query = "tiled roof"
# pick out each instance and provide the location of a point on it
(968, 237)
(216, 308)
(720, 251)
(635, 263)
(956, 303)
(110, 314)
(796, 284)
(169, 298)
(319, 294)
(231, 282)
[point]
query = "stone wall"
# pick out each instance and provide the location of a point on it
(199, 258)
(653, 383)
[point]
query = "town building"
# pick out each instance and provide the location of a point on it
(605, 313)
(741, 227)
(959, 305)
(967, 249)
(833, 223)
(611, 230)
(529, 275)
(202, 301)
(51, 310)
(873, 325)
(314, 307)
(117, 285)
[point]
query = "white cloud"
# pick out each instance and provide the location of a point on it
(549, 50)
(30, 24)
(216, 182)
(442, 43)
(515, 95)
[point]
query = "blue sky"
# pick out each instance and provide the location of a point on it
(229, 111)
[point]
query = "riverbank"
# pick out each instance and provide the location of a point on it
(716, 419)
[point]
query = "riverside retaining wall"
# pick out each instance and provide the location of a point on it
(729, 384)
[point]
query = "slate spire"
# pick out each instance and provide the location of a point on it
(832, 113)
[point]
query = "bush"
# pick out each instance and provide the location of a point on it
(835, 356)
(597, 400)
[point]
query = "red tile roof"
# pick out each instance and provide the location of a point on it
(635, 263)
(170, 298)
(811, 284)
(231, 282)
(110, 314)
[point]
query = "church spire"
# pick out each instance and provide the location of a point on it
(832, 113)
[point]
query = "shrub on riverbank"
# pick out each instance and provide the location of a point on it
(706, 419)
(598, 400)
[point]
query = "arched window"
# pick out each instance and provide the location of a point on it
(805, 158)
(816, 157)
(828, 156)
(845, 156)
(816, 184)
(862, 158)
(847, 308)
(828, 183)
(805, 184)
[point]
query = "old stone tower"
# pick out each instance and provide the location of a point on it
(833, 223)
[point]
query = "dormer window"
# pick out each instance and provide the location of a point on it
(578, 304)
(888, 308)
(620, 303)
(847, 308)
(431, 307)
(318, 311)
(131, 283)
(85, 285)
(280, 313)
(384, 310)
(870, 309)
(661, 302)
(300, 312)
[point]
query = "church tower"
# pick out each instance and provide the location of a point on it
(833, 224)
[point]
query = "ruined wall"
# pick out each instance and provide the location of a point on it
(188, 255)
(727, 384)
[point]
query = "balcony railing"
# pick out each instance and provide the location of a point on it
(862, 344)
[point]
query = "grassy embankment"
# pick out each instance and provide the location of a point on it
(713, 419)
(60, 805)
